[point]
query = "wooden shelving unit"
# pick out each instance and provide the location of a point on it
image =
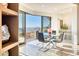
(9, 12)
(8, 46)
(9, 16)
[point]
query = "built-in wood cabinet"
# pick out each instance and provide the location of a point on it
(9, 16)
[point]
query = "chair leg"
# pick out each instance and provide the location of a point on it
(47, 44)
(44, 47)
(54, 45)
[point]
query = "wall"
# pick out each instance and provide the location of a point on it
(66, 17)
(55, 24)
(69, 17)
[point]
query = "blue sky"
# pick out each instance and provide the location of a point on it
(33, 21)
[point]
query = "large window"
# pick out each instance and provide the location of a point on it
(36, 23)
(33, 24)
(29, 24)
(22, 26)
(46, 21)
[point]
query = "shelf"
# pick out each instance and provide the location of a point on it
(9, 16)
(9, 12)
(9, 45)
(6, 11)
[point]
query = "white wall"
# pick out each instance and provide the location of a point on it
(70, 18)
(74, 29)
(55, 24)
(67, 19)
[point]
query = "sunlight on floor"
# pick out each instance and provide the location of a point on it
(54, 52)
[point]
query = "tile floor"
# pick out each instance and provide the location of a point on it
(56, 52)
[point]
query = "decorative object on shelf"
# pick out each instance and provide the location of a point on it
(5, 33)
(63, 25)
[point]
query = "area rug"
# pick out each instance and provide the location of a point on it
(32, 49)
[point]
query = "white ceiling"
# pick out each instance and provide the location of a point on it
(48, 7)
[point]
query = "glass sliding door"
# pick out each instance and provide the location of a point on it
(22, 26)
(36, 23)
(33, 24)
(46, 23)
